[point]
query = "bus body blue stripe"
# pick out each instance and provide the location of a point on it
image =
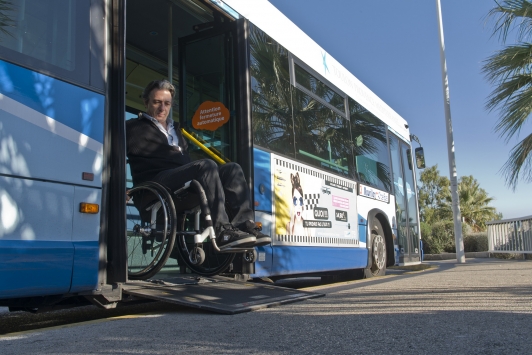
(362, 228)
(300, 260)
(262, 176)
(39, 268)
(35, 268)
(83, 111)
(86, 260)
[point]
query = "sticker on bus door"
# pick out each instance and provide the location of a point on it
(210, 116)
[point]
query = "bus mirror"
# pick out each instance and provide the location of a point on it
(420, 158)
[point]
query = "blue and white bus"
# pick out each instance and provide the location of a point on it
(329, 164)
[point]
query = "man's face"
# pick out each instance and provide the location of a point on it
(159, 104)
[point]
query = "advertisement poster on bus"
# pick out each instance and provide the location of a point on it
(313, 207)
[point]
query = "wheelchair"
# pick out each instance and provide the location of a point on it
(163, 224)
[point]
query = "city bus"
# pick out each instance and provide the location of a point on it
(329, 165)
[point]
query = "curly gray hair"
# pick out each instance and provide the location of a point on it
(158, 85)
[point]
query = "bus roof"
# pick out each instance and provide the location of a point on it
(269, 19)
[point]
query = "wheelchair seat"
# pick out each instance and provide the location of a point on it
(157, 218)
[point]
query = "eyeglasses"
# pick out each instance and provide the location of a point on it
(300, 201)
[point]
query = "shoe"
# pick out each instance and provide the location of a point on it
(230, 237)
(251, 228)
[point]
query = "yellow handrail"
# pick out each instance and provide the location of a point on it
(202, 147)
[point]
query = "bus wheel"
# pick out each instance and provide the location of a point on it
(378, 251)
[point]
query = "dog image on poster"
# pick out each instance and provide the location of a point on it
(295, 226)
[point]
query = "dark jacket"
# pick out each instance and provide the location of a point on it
(148, 151)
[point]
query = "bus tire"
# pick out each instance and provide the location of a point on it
(377, 251)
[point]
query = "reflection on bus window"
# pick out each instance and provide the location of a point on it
(317, 87)
(370, 147)
(322, 135)
(48, 35)
(271, 94)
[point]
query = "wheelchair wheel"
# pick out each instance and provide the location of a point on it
(250, 256)
(214, 262)
(151, 228)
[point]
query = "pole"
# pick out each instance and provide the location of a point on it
(170, 44)
(457, 218)
(170, 52)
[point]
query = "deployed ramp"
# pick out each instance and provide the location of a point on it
(216, 294)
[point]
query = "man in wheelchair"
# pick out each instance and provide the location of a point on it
(157, 151)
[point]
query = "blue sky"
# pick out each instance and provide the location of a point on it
(393, 48)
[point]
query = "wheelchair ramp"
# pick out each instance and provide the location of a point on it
(217, 294)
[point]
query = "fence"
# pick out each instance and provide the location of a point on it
(510, 235)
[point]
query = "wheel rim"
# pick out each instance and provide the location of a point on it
(379, 252)
(144, 251)
(145, 248)
(215, 262)
(197, 256)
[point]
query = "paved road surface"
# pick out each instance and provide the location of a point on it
(481, 307)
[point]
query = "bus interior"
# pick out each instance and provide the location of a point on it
(193, 45)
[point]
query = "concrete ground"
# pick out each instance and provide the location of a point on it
(481, 307)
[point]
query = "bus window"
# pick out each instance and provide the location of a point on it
(271, 94)
(53, 36)
(318, 88)
(370, 147)
(322, 135)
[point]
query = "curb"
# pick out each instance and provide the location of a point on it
(449, 256)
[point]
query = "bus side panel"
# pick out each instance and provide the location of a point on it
(35, 237)
(300, 260)
(51, 135)
(263, 265)
(262, 192)
(362, 228)
(86, 241)
(50, 130)
(262, 180)
(85, 274)
(35, 210)
(34, 268)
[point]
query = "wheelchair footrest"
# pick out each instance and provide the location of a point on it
(235, 250)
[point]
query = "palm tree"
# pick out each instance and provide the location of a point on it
(432, 192)
(5, 20)
(271, 94)
(474, 204)
(510, 70)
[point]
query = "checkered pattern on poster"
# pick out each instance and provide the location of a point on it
(311, 201)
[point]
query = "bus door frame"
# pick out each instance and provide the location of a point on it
(113, 247)
(242, 80)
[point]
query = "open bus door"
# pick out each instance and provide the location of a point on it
(406, 202)
(212, 61)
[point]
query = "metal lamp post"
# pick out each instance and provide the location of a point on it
(459, 242)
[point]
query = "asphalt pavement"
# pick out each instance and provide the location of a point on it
(481, 307)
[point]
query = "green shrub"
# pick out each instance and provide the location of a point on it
(440, 239)
(476, 242)
(426, 233)
(505, 255)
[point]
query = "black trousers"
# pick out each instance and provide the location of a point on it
(225, 187)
